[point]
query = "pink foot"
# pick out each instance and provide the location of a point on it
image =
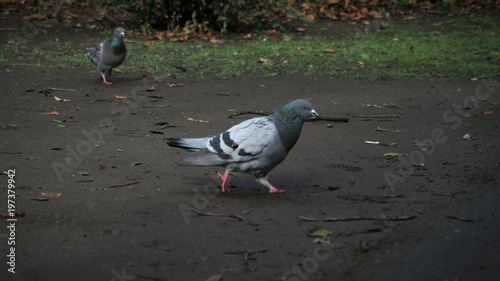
(106, 82)
(266, 183)
(224, 180)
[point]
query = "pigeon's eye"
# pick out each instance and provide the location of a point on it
(304, 108)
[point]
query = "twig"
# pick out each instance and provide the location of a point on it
(460, 218)
(217, 215)
(330, 119)
(120, 185)
(316, 118)
(384, 144)
(84, 180)
(59, 89)
(254, 112)
(378, 129)
(16, 214)
(379, 119)
(400, 218)
(244, 252)
(379, 116)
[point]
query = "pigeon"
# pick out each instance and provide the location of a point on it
(254, 146)
(109, 54)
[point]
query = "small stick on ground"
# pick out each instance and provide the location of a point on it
(400, 218)
(379, 116)
(120, 185)
(384, 144)
(217, 215)
(460, 218)
(16, 214)
(59, 89)
(263, 113)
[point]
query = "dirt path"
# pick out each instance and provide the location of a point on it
(101, 197)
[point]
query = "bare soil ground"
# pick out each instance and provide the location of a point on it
(100, 197)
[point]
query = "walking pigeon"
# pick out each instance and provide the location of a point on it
(254, 146)
(109, 54)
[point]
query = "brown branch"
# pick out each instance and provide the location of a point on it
(400, 218)
(120, 185)
(254, 112)
(379, 116)
(59, 89)
(312, 119)
(460, 218)
(16, 214)
(217, 215)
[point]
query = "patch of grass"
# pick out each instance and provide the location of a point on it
(454, 48)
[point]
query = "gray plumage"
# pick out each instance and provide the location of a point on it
(109, 54)
(254, 146)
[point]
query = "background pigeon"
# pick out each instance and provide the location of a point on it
(254, 146)
(109, 54)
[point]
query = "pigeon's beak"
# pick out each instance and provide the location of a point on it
(314, 113)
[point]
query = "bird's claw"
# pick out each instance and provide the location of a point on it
(275, 190)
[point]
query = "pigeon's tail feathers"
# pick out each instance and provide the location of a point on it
(204, 157)
(191, 144)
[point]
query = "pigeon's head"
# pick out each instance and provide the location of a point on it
(302, 108)
(119, 32)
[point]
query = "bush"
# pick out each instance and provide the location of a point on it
(221, 15)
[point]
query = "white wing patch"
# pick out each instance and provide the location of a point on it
(245, 141)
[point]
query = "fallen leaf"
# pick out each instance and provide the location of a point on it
(51, 195)
(393, 154)
(328, 51)
(301, 29)
(272, 31)
(59, 99)
(322, 240)
(172, 85)
(361, 64)
(195, 120)
(57, 121)
(216, 277)
(120, 97)
(82, 173)
(286, 39)
(52, 113)
(264, 61)
(151, 89)
(34, 17)
(136, 163)
(247, 36)
(488, 112)
(101, 166)
(319, 232)
(214, 40)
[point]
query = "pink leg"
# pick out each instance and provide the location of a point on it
(224, 180)
(272, 189)
(104, 80)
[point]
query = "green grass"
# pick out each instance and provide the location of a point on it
(454, 48)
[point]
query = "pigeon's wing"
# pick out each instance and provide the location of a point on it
(241, 143)
(95, 54)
